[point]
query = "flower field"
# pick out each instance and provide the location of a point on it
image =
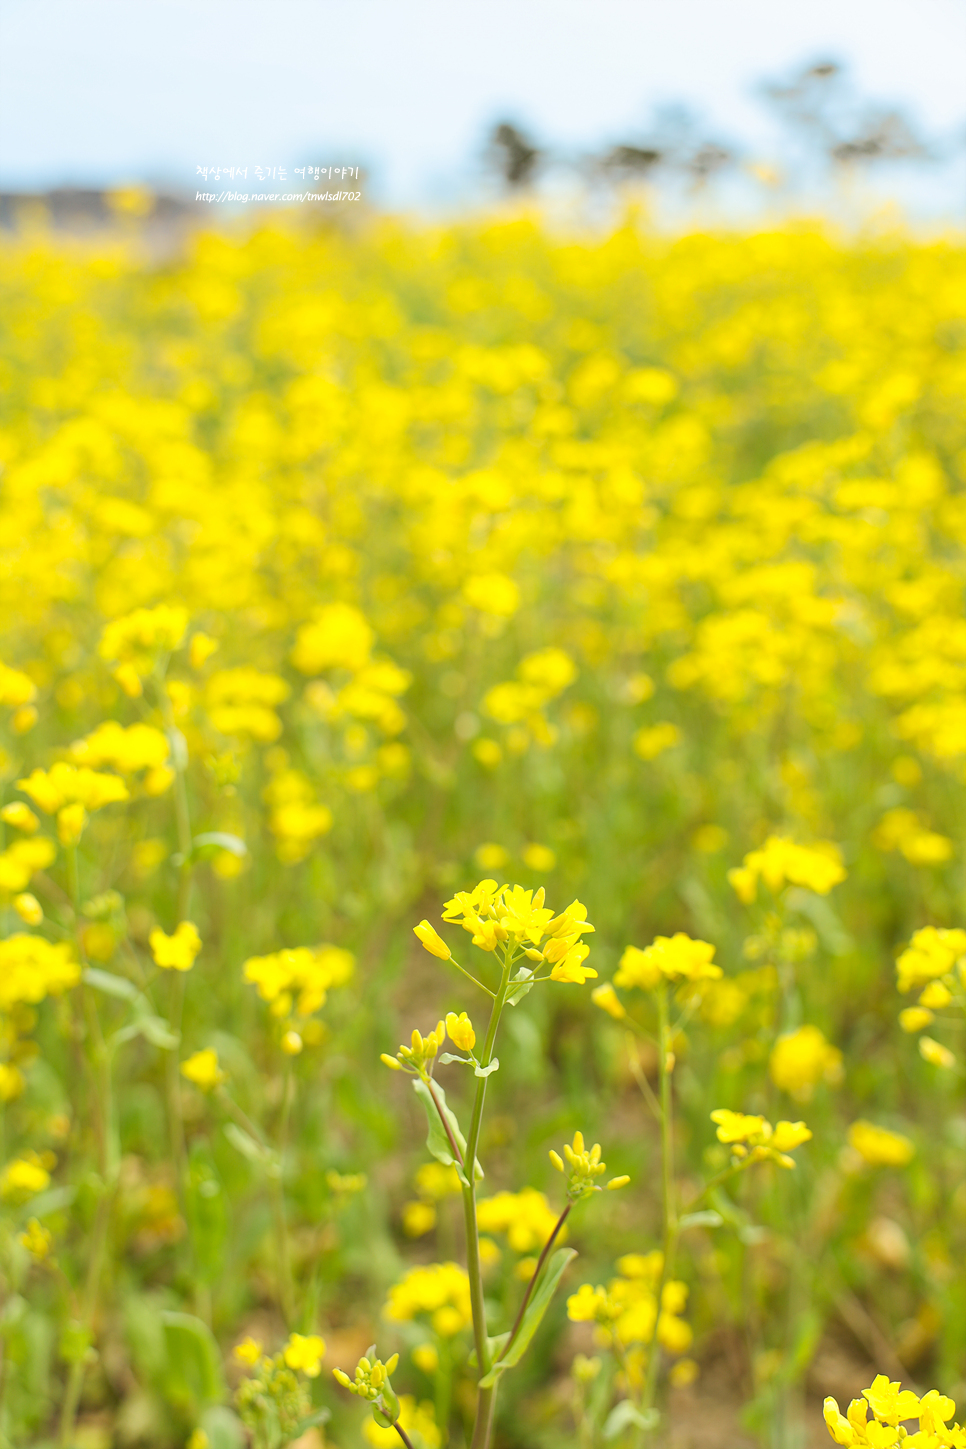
(595, 608)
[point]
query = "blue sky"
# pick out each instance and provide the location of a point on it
(105, 91)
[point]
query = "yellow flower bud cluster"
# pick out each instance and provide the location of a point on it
(371, 1376)
(781, 861)
(754, 1139)
(420, 1052)
(892, 1407)
(585, 1168)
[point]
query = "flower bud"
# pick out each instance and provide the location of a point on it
(432, 941)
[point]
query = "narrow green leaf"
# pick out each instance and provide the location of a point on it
(194, 1360)
(448, 1057)
(436, 1138)
(495, 1347)
(536, 1308)
(521, 983)
(51, 1201)
(157, 1031)
(110, 984)
(624, 1414)
(320, 1416)
(246, 1144)
(220, 840)
(708, 1218)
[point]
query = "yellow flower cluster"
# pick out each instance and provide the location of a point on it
(932, 953)
(781, 861)
(494, 915)
(441, 1290)
(801, 1059)
(299, 979)
(627, 1308)
(752, 1138)
(891, 1405)
(668, 958)
(176, 952)
(879, 1147)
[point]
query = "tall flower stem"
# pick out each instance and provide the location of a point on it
(108, 1165)
(485, 1397)
(286, 1282)
(668, 1202)
(182, 815)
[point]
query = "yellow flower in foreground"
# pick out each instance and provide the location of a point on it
(880, 1147)
(461, 1031)
(177, 952)
(432, 941)
(203, 1069)
(305, 1353)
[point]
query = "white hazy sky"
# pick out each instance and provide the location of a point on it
(103, 91)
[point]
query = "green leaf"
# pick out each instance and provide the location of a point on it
(223, 1428)
(320, 1416)
(194, 1373)
(495, 1347)
(436, 1138)
(247, 1145)
(485, 1071)
(219, 840)
(50, 1201)
(708, 1218)
(624, 1414)
(157, 1031)
(110, 984)
(522, 982)
(536, 1308)
(448, 1057)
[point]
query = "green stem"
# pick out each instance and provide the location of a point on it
(75, 1382)
(286, 1281)
(108, 1162)
(485, 1397)
(535, 1275)
(669, 1211)
(403, 1435)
